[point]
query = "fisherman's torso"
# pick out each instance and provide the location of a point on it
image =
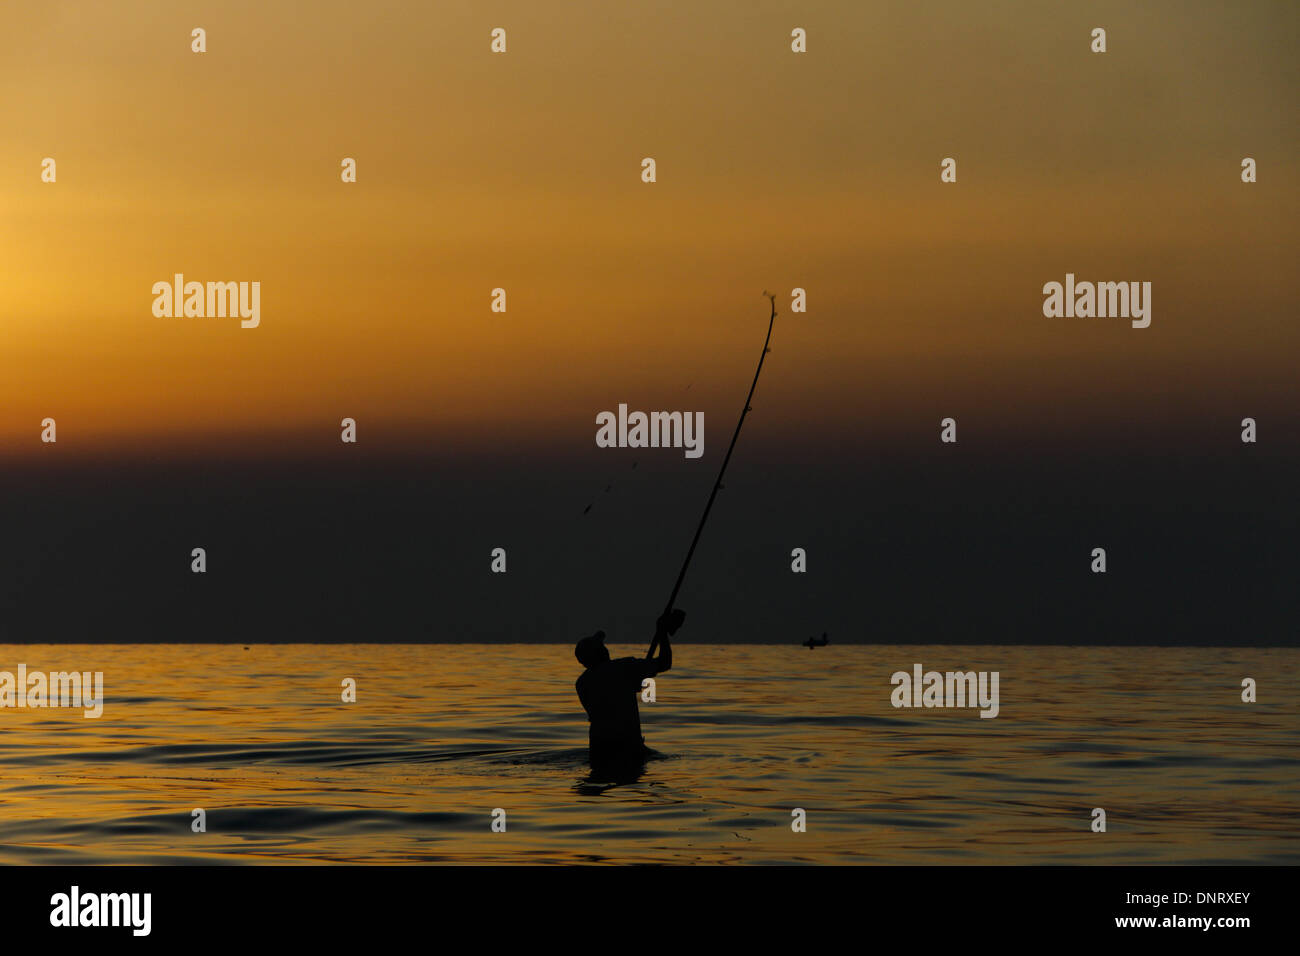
(609, 693)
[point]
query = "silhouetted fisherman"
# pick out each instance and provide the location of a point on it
(609, 689)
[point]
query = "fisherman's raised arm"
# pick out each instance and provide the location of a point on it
(666, 626)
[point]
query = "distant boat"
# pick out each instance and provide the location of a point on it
(813, 642)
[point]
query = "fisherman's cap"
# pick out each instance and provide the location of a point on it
(586, 647)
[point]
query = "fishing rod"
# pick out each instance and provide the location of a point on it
(721, 471)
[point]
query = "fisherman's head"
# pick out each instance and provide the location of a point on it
(591, 651)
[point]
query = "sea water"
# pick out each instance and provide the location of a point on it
(442, 736)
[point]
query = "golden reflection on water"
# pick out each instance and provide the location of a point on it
(441, 735)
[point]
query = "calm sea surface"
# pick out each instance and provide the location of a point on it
(441, 735)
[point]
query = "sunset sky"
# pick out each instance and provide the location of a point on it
(522, 171)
